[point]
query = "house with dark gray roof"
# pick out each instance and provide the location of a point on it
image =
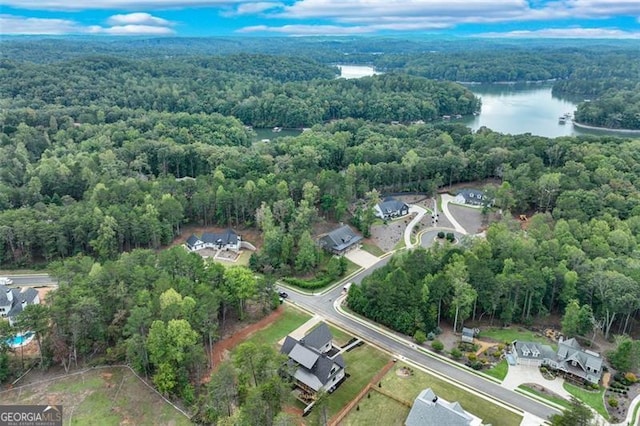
(473, 197)
(226, 240)
(340, 240)
(315, 363)
(391, 208)
(431, 410)
(570, 358)
(581, 363)
(14, 300)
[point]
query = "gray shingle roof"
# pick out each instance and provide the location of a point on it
(391, 205)
(224, 238)
(27, 294)
(314, 368)
(192, 240)
(304, 356)
(429, 410)
(318, 337)
(340, 238)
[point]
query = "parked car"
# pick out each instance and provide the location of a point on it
(283, 294)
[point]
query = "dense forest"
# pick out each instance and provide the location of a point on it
(616, 109)
(259, 90)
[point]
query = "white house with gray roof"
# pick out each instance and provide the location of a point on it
(14, 300)
(226, 240)
(317, 364)
(391, 208)
(430, 410)
(570, 358)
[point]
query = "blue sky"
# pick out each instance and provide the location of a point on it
(487, 18)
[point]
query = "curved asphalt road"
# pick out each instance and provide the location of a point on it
(323, 304)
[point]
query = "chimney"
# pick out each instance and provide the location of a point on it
(24, 303)
(9, 295)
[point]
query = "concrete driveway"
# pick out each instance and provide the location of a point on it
(521, 374)
(362, 258)
(446, 199)
(407, 232)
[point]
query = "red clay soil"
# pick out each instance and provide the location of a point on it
(222, 348)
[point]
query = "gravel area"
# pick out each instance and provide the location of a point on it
(469, 217)
(387, 236)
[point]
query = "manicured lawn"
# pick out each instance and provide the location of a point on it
(377, 410)
(594, 399)
(291, 319)
(555, 399)
(107, 396)
(362, 363)
(499, 371)
(243, 260)
(407, 388)
(351, 268)
(373, 249)
(514, 333)
(340, 338)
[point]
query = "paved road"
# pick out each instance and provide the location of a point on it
(323, 305)
(32, 280)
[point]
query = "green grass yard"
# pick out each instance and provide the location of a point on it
(593, 399)
(362, 364)
(407, 388)
(291, 319)
(372, 248)
(378, 409)
(510, 334)
(555, 399)
(108, 396)
(499, 371)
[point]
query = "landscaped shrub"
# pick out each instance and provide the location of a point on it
(437, 345)
(450, 237)
(594, 386)
(431, 335)
(472, 356)
(613, 402)
(456, 353)
(419, 337)
(501, 347)
(312, 284)
(631, 377)
(476, 365)
(441, 235)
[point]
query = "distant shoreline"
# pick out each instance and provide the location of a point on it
(607, 129)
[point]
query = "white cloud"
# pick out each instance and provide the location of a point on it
(11, 24)
(115, 4)
(131, 30)
(139, 18)
(308, 30)
(258, 7)
(590, 33)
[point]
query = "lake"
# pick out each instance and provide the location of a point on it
(262, 134)
(356, 71)
(525, 108)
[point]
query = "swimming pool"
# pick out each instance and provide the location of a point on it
(20, 339)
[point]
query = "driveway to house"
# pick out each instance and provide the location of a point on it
(407, 232)
(521, 374)
(446, 199)
(362, 258)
